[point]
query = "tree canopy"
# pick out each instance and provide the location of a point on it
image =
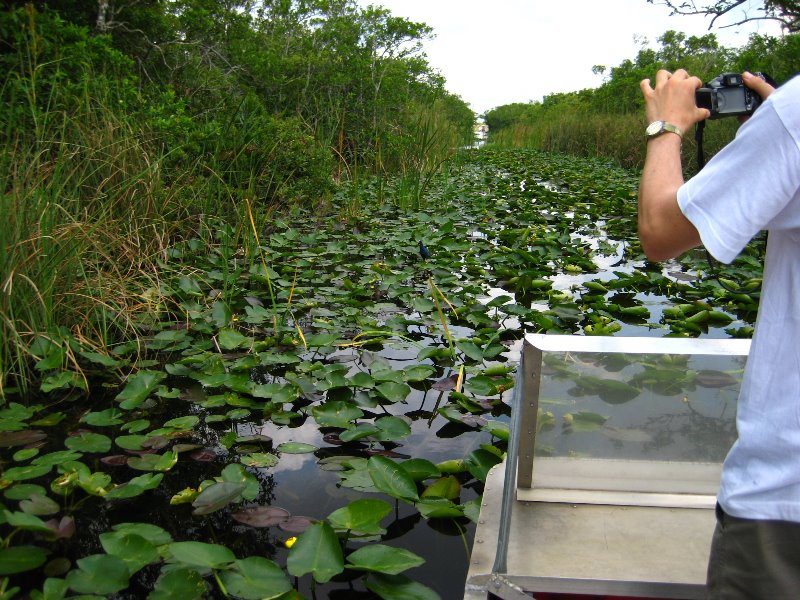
(731, 13)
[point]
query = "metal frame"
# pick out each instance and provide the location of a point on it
(594, 493)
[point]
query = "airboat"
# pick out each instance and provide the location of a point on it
(610, 479)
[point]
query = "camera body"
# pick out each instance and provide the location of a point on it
(727, 96)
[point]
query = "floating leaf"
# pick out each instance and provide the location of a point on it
(26, 472)
(23, 491)
(420, 469)
(391, 479)
(715, 379)
(584, 420)
(448, 383)
(88, 442)
(336, 414)
(230, 339)
(498, 429)
(25, 454)
(179, 584)
(139, 388)
(9, 439)
(261, 516)
(261, 460)
(394, 392)
(439, 508)
(360, 431)
(255, 578)
(380, 558)
(391, 428)
(479, 462)
(316, 551)
(39, 504)
(296, 448)
(18, 559)
(399, 587)
(99, 574)
(103, 418)
(186, 423)
(234, 473)
(470, 350)
(153, 462)
(152, 533)
(217, 496)
(136, 551)
(362, 517)
(296, 524)
(201, 554)
(445, 487)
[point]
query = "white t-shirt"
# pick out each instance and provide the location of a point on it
(754, 184)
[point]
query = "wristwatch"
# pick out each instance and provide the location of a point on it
(656, 128)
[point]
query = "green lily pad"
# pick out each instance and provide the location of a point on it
(445, 487)
(201, 554)
(362, 517)
(88, 442)
(316, 551)
(380, 558)
(260, 460)
(393, 392)
(391, 479)
(179, 584)
(399, 587)
(18, 559)
(135, 550)
(296, 448)
(336, 414)
(255, 578)
(100, 574)
(139, 388)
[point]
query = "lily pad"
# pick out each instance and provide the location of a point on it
(380, 558)
(261, 516)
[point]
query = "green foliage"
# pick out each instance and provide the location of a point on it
(123, 129)
(607, 121)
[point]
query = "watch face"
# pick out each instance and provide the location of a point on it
(654, 127)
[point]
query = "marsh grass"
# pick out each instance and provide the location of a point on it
(619, 137)
(429, 147)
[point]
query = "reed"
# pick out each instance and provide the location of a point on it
(428, 146)
(618, 137)
(86, 213)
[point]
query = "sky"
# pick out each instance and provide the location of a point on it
(495, 52)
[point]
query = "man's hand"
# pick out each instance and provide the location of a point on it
(757, 84)
(672, 100)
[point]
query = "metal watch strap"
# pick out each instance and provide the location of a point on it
(657, 128)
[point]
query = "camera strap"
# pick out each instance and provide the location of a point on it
(701, 162)
(698, 138)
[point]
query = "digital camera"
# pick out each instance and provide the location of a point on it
(727, 96)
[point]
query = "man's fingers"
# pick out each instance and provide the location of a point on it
(758, 85)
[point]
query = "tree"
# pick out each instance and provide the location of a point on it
(731, 13)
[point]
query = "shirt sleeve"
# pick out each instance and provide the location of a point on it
(751, 183)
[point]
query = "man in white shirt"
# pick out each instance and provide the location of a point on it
(750, 185)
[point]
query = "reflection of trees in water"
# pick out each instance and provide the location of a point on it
(689, 436)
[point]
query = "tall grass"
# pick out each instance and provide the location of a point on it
(85, 212)
(429, 145)
(618, 137)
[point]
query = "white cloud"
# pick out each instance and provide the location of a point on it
(494, 53)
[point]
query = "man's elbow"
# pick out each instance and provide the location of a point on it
(660, 244)
(652, 251)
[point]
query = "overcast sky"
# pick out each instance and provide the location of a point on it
(494, 52)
